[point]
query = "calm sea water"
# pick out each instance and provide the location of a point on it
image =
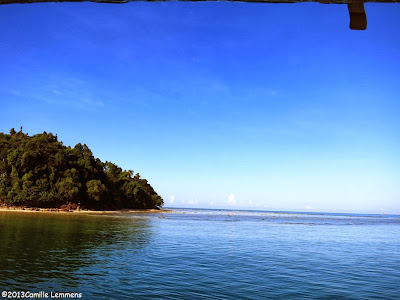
(202, 254)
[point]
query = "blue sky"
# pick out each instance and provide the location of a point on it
(217, 104)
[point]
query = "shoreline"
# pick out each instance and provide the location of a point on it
(80, 211)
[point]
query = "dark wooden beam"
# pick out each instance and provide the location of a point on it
(358, 18)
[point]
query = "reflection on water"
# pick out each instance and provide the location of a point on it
(197, 254)
(53, 251)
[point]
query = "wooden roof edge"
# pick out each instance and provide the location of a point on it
(358, 18)
(248, 1)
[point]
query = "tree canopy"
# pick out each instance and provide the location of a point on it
(40, 171)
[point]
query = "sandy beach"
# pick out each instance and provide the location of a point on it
(78, 211)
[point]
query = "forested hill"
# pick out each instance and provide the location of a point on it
(40, 171)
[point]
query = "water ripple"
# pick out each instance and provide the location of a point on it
(202, 256)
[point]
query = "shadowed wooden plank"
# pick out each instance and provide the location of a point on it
(358, 18)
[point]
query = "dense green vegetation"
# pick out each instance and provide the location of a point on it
(40, 171)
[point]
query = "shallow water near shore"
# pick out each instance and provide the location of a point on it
(202, 254)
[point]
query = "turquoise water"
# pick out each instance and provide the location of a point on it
(202, 254)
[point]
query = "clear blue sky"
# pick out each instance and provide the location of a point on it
(217, 104)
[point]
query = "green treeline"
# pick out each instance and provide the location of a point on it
(40, 171)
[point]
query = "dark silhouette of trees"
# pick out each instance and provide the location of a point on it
(40, 171)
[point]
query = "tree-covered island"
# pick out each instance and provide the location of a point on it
(39, 171)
